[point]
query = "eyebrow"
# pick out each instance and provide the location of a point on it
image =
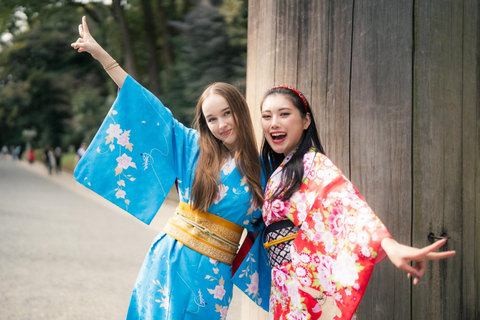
(281, 109)
(224, 109)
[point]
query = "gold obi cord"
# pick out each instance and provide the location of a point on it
(205, 233)
(279, 237)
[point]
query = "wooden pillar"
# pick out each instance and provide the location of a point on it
(394, 86)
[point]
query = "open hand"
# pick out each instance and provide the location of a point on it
(401, 256)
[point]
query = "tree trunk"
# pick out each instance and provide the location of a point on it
(167, 52)
(151, 47)
(127, 46)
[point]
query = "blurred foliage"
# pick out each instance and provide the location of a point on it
(47, 86)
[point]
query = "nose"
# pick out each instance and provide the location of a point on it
(274, 123)
(222, 123)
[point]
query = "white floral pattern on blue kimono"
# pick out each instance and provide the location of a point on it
(139, 152)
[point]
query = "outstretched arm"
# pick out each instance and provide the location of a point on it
(86, 43)
(401, 255)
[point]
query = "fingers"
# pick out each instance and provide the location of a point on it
(85, 26)
(428, 254)
(408, 268)
(439, 255)
(83, 32)
(79, 43)
(421, 267)
(416, 279)
(428, 249)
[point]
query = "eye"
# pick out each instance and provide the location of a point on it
(227, 113)
(266, 116)
(209, 120)
(284, 114)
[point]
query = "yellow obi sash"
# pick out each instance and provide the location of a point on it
(205, 233)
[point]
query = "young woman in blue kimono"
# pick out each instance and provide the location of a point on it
(323, 239)
(140, 151)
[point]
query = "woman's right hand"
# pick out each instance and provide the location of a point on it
(86, 43)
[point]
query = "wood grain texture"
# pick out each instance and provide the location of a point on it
(470, 254)
(394, 87)
(252, 49)
(324, 73)
(308, 33)
(287, 52)
(261, 56)
(438, 152)
(380, 136)
(335, 96)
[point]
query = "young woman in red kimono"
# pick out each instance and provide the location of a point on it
(322, 238)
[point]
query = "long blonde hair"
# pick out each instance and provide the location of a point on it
(212, 151)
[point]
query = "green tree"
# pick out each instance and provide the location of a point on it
(205, 54)
(47, 86)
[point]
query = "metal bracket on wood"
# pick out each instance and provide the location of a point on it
(432, 237)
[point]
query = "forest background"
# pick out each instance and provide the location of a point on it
(52, 95)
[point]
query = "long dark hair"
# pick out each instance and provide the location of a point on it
(292, 173)
(212, 150)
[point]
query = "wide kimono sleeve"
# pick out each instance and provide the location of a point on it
(251, 272)
(138, 153)
(338, 245)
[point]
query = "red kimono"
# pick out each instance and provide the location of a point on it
(335, 251)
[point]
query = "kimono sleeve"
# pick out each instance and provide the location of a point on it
(251, 270)
(339, 241)
(138, 153)
(252, 274)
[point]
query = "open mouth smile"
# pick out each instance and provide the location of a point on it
(278, 137)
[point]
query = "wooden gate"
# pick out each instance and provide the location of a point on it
(395, 90)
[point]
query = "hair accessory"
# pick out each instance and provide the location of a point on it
(298, 93)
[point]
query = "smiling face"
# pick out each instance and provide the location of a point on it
(220, 121)
(282, 123)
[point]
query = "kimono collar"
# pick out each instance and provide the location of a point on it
(289, 157)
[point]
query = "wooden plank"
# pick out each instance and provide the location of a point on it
(252, 40)
(380, 113)
(336, 121)
(308, 30)
(325, 23)
(477, 203)
(438, 152)
(313, 59)
(471, 148)
(327, 94)
(252, 53)
(287, 42)
(312, 76)
(261, 56)
(260, 75)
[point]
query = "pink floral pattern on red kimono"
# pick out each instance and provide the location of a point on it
(335, 250)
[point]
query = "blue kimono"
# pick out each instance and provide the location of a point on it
(137, 155)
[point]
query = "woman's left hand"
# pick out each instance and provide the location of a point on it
(401, 256)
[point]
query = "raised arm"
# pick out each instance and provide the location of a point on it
(86, 43)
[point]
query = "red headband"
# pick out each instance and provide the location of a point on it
(296, 91)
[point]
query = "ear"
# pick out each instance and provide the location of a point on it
(306, 121)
